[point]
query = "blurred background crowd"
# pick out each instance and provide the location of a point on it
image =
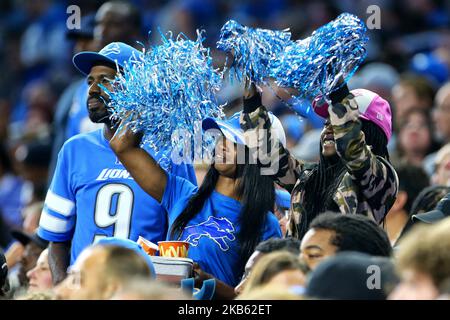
(42, 96)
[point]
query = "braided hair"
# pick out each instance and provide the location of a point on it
(354, 233)
(321, 187)
(375, 138)
(325, 177)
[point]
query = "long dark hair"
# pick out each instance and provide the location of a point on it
(257, 196)
(324, 178)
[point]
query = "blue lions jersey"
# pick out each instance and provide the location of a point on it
(92, 195)
(212, 233)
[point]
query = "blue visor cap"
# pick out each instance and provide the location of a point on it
(232, 131)
(229, 128)
(114, 53)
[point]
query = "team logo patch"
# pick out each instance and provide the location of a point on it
(217, 229)
(111, 49)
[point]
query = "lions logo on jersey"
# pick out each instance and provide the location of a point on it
(217, 229)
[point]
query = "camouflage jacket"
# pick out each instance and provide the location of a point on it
(368, 187)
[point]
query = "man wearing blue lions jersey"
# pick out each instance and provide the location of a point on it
(91, 194)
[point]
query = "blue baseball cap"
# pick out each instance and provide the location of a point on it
(129, 244)
(232, 131)
(114, 53)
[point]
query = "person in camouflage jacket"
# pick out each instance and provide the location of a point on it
(353, 176)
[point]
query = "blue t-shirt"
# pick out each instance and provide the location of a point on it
(92, 195)
(212, 233)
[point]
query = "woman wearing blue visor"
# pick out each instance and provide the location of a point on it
(227, 216)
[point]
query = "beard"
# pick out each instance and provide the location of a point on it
(99, 113)
(99, 116)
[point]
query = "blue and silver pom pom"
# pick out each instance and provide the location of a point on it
(168, 92)
(254, 50)
(312, 66)
(333, 52)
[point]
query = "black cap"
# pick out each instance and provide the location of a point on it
(35, 153)
(4, 283)
(441, 211)
(348, 276)
(86, 30)
(25, 238)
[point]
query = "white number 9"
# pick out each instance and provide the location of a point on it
(121, 218)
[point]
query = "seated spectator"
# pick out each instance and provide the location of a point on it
(31, 214)
(426, 201)
(330, 233)
(118, 21)
(428, 198)
(351, 276)
(411, 92)
(415, 137)
(281, 269)
(291, 245)
(100, 271)
(441, 114)
(40, 277)
(441, 174)
(441, 211)
(37, 105)
(412, 180)
(441, 120)
(33, 246)
(129, 244)
(423, 262)
(33, 160)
